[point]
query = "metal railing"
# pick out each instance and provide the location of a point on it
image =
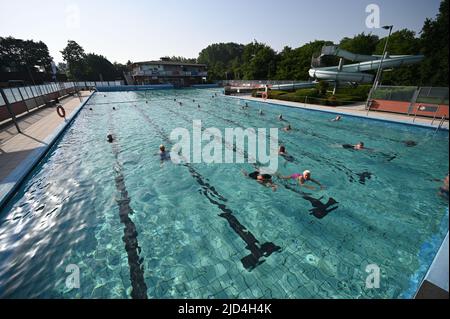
(169, 73)
(17, 101)
(425, 101)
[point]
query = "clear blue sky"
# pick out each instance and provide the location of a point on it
(144, 30)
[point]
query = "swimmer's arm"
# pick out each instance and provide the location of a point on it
(282, 177)
(307, 186)
(317, 182)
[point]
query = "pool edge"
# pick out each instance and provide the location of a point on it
(401, 122)
(20, 173)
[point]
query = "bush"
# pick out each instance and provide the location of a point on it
(322, 87)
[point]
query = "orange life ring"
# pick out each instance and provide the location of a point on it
(61, 111)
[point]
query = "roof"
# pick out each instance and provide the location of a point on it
(169, 63)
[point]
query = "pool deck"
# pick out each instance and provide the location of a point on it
(355, 110)
(19, 152)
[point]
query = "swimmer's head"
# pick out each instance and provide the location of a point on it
(282, 149)
(307, 174)
(110, 138)
(162, 148)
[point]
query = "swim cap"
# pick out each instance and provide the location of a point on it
(307, 172)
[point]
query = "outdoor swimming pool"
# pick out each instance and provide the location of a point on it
(206, 231)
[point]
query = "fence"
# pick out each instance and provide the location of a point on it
(254, 83)
(417, 101)
(19, 100)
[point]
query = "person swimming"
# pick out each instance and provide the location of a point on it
(337, 119)
(280, 117)
(410, 143)
(261, 112)
(163, 154)
(114, 108)
(198, 106)
(287, 128)
(263, 179)
(303, 178)
(444, 189)
(283, 153)
(358, 147)
(109, 138)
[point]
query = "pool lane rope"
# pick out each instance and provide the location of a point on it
(135, 263)
(257, 251)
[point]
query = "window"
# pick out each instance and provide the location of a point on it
(29, 92)
(17, 95)
(9, 95)
(35, 91)
(24, 93)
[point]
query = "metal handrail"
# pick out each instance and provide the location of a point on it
(435, 114)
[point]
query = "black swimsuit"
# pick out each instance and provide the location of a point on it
(255, 175)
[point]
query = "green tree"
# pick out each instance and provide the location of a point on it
(434, 43)
(97, 67)
(222, 59)
(259, 62)
(23, 55)
(74, 55)
(402, 42)
(294, 64)
(361, 43)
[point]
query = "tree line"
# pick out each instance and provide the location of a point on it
(256, 61)
(259, 61)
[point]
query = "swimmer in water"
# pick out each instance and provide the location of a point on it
(283, 153)
(337, 119)
(280, 117)
(444, 189)
(181, 103)
(287, 128)
(163, 154)
(303, 178)
(110, 138)
(263, 179)
(261, 112)
(360, 146)
(114, 108)
(198, 106)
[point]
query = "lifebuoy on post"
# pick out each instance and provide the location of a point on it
(61, 111)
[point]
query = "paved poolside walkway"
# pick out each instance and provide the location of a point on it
(356, 110)
(16, 147)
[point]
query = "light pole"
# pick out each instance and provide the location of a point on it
(380, 67)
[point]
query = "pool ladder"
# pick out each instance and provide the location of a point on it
(441, 122)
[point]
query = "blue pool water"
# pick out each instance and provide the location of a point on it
(136, 228)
